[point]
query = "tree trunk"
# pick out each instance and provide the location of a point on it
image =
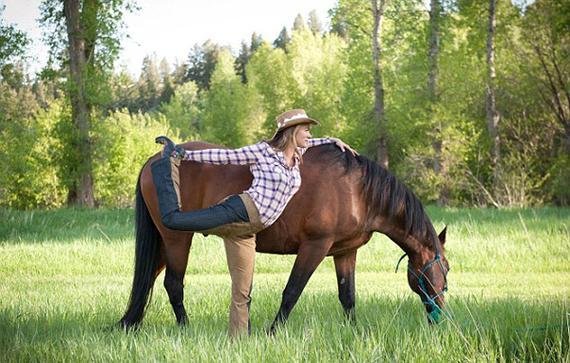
(558, 88)
(439, 165)
(81, 193)
(492, 115)
(379, 112)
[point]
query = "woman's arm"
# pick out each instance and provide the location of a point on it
(242, 156)
(328, 140)
(320, 141)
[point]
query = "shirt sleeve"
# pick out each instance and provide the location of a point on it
(243, 156)
(317, 142)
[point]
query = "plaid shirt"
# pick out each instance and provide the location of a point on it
(274, 182)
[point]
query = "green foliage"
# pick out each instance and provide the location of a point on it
(319, 74)
(201, 63)
(234, 102)
(558, 184)
(230, 107)
(123, 143)
(13, 42)
(183, 111)
(29, 176)
(269, 74)
(149, 85)
(282, 39)
(310, 76)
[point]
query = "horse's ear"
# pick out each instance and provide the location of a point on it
(442, 235)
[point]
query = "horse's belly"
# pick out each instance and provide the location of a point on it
(271, 241)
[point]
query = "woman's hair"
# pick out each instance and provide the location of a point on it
(283, 137)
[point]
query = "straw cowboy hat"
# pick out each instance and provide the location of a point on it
(293, 117)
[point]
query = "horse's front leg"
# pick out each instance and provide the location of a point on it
(309, 257)
(345, 269)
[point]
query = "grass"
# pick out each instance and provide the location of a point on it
(65, 278)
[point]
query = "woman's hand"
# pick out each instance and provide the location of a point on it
(343, 146)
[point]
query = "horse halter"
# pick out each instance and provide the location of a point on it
(436, 311)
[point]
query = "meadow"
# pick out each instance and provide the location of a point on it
(65, 277)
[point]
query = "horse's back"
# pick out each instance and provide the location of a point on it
(327, 206)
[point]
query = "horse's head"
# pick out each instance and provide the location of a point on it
(427, 276)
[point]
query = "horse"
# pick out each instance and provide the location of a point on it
(342, 201)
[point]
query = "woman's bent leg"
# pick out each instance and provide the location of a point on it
(240, 253)
(166, 181)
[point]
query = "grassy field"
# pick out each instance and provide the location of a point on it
(65, 279)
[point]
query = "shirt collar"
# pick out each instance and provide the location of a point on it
(281, 157)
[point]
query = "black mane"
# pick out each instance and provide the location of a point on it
(385, 193)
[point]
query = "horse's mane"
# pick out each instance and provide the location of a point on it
(384, 192)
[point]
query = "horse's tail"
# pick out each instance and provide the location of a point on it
(147, 260)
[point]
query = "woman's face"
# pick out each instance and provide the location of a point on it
(302, 135)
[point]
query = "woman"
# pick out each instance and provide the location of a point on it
(276, 178)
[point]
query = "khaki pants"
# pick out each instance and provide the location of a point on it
(239, 241)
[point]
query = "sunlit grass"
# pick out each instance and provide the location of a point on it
(65, 279)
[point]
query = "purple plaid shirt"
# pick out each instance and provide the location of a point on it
(274, 182)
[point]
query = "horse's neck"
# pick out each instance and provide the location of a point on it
(396, 232)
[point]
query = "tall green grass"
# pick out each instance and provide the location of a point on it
(65, 279)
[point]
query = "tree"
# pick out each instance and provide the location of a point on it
(282, 40)
(183, 111)
(269, 75)
(13, 42)
(167, 90)
(179, 73)
(241, 61)
(314, 23)
(491, 105)
(85, 33)
(299, 23)
(378, 9)
(125, 92)
(230, 108)
(256, 41)
(434, 36)
(149, 85)
(546, 29)
(201, 63)
(319, 72)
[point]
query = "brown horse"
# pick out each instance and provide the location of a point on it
(342, 201)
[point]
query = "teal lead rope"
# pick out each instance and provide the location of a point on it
(435, 315)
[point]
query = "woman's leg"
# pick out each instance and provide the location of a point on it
(240, 253)
(165, 177)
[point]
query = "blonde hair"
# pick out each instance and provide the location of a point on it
(284, 137)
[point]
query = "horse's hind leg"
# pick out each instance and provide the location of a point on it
(176, 249)
(345, 269)
(308, 258)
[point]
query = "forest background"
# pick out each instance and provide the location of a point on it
(467, 101)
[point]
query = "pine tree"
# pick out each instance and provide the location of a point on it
(256, 41)
(149, 84)
(202, 62)
(282, 39)
(299, 23)
(167, 90)
(314, 23)
(241, 61)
